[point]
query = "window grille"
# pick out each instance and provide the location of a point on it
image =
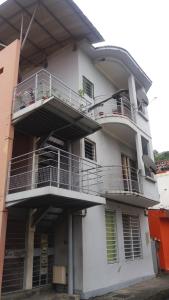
(90, 150)
(132, 237)
(88, 87)
(111, 237)
(141, 106)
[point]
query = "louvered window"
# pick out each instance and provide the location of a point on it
(111, 237)
(90, 149)
(132, 237)
(88, 87)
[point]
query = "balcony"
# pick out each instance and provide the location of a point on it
(51, 176)
(117, 118)
(43, 103)
(124, 184)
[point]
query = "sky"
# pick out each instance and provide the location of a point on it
(141, 27)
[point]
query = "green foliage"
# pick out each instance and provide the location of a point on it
(81, 92)
(161, 156)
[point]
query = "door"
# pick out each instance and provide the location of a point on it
(129, 173)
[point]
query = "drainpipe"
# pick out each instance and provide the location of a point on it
(70, 254)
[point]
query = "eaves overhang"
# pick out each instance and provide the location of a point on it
(55, 25)
(120, 55)
(123, 56)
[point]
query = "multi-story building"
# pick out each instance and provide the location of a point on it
(75, 155)
(158, 217)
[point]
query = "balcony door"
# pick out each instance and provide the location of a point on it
(53, 163)
(129, 173)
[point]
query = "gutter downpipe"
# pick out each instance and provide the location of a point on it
(70, 253)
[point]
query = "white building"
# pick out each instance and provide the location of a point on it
(85, 194)
(163, 187)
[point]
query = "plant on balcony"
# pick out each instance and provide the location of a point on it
(81, 93)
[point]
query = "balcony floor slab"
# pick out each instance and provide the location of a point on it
(54, 196)
(53, 114)
(132, 198)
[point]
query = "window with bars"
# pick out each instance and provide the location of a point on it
(111, 236)
(132, 237)
(88, 87)
(141, 106)
(90, 149)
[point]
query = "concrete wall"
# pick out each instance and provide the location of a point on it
(99, 276)
(103, 88)
(163, 187)
(9, 62)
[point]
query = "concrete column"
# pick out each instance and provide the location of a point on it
(29, 253)
(9, 62)
(133, 95)
(139, 153)
(70, 254)
(140, 162)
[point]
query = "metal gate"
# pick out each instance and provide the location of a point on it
(43, 258)
(13, 273)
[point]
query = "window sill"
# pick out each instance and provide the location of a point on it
(151, 179)
(143, 116)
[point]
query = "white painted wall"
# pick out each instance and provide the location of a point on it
(102, 86)
(163, 187)
(97, 273)
(70, 66)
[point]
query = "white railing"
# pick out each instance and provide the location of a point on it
(120, 179)
(42, 86)
(120, 107)
(53, 167)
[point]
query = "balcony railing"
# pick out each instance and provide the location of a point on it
(53, 167)
(42, 86)
(58, 168)
(120, 107)
(121, 179)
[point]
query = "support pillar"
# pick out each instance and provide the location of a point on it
(140, 162)
(70, 254)
(29, 253)
(133, 95)
(9, 64)
(139, 153)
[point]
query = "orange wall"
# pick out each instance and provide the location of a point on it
(159, 229)
(9, 64)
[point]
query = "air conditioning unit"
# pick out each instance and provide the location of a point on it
(59, 274)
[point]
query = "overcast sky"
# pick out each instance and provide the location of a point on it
(142, 27)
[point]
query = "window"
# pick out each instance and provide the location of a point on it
(132, 237)
(129, 173)
(141, 106)
(111, 236)
(88, 87)
(90, 149)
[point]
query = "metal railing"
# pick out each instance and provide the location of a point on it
(115, 107)
(42, 86)
(121, 179)
(53, 167)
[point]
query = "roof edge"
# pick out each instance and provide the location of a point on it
(87, 21)
(124, 52)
